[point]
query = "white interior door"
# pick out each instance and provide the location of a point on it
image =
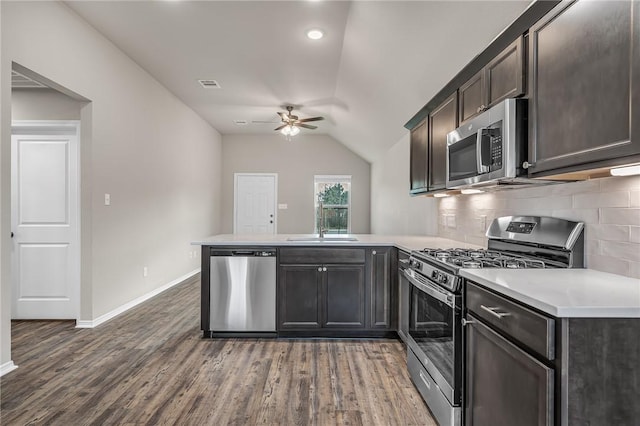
(255, 203)
(45, 220)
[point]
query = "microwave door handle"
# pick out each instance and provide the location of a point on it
(481, 168)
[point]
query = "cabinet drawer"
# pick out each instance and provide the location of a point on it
(530, 328)
(308, 255)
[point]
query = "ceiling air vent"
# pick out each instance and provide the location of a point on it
(209, 84)
(19, 81)
(241, 122)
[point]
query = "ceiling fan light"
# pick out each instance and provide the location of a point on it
(290, 130)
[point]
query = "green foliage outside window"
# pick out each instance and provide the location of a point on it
(335, 201)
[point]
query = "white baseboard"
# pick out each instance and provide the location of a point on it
(7, 367)
(112, 314)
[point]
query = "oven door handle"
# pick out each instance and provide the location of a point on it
(430, 289)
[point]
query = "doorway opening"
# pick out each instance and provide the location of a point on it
(46, 212)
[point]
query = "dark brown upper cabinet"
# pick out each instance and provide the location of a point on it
(501, 78)
(442, 120)
(419, 158)
(584, 75)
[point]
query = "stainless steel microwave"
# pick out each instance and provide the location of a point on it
(490, 148)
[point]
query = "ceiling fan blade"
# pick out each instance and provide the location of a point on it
(306, 126)
(281, 127)
(284, 116)
(305, 120)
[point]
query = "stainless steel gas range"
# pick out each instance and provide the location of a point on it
(434, 333)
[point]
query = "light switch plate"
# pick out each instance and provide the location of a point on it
(107, 199)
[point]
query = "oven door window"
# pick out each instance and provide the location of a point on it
(431, 325)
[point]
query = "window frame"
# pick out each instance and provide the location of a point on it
(332, 179)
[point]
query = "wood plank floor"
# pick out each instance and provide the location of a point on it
(150, 366)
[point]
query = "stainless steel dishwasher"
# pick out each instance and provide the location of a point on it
(242, 291)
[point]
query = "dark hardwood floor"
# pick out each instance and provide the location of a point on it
(150, 366)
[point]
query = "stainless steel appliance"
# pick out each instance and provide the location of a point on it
(242, 295)
(435, 336)
(404, 295)
(490, 148)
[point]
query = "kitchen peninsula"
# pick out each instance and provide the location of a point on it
(338, 286)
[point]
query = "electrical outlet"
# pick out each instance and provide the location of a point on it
(107, 199)
(190, 254)
(482, 224)
(451, 221)
(145, 271)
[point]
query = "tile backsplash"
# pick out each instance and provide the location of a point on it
(609, 207)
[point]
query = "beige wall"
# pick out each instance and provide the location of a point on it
(43, 104)
(610, 208)
(393, 210)
(158, 159)
(5, 198)
(296, 162)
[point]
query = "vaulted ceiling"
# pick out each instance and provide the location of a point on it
(378, 64)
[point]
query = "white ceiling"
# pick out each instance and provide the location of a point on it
(378, 64)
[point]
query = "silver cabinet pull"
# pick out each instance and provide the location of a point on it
(324, 269)
(373, 252)
(319, 268)
(493, 312)
(466, 321)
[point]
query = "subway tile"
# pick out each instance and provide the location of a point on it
(620, 183)
(608, 264)
(541, 203)
(582, 187)
(607, 232)
(634, 269)
(580, 215)
(592, 247)
(620, 216)
(634, 198)
(634, 234)
(601, 199)
(621, 250)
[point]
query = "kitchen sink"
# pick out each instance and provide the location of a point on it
(322, 239)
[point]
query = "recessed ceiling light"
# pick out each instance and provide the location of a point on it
(315, 34)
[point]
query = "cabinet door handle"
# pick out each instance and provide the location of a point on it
(319, 268)
(324, 269)
(493, 312)
(374, 252)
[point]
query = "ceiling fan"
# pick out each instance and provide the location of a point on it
(292, 124)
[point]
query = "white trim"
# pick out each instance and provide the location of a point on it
(7, 367)
(135, 302)
(275, 198)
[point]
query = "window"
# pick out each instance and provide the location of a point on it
(334, 194)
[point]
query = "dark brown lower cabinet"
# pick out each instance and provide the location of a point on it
(506, 385)
(299, 297)
(525, 367)
(344, 296)
(336, 292)
(321, 296)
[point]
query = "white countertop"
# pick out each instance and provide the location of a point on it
(564, 293)
(403, 242)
